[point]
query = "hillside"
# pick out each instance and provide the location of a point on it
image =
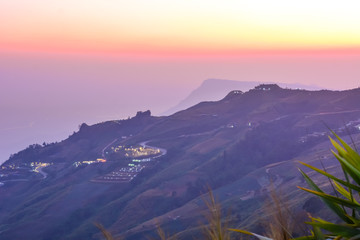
(131, 174)
(216, 89)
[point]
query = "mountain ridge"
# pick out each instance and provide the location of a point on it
(235, 146)
(214, 89)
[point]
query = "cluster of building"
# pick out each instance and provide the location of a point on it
(20, 171)
(140, 152)
(140, 157)
(10, 166)
(135, 152)
(37, 165)
(118, 148)
(141, 160)
(355, 124)
(99, 160)
(33, 166)
(124, 174)
(347, 127)
(267, 87)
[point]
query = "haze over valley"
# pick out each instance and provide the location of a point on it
(45, 97)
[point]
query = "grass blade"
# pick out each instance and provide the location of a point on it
(349, 168)
(337, 229)
(250, 233)
(333, 206)
(345, 183)
(333, 199)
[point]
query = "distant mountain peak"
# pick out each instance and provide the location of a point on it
(267, 87)
(215, 89)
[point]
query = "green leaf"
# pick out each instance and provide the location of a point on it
(318, 233)
(351, 152)
(306, 238)
(352, 186)
(333, 199)
(353, 172)
(346, 156)
(332, 205)
(356, 237)
(250, 233)
(350, 190)
(344, 192)
(337, 229)
(356, 222)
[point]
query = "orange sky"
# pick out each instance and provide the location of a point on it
(150, 54)
(160, 27)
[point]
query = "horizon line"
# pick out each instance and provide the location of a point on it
(191, 53)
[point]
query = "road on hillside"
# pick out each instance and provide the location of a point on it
(163, 151)
(14, 180)
(103, 151)
(40, 170)
(332, 113)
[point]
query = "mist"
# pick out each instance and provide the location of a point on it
(44, 97)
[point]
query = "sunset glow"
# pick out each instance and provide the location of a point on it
(172, 27)
(64, 62)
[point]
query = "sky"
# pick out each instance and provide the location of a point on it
(64, 62)
(177, 27)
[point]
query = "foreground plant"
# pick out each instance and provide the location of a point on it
(280, 224)
(216, 228)
(106, 234)
(343, 204)
(160, 232)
